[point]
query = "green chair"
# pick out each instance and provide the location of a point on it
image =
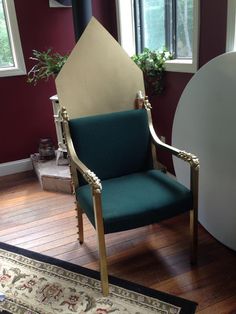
(116, 185)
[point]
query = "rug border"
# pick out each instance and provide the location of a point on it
(187, 306)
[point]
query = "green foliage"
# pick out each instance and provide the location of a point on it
(152, 63)
(48, 64)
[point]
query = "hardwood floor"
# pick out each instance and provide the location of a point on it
(155, 256)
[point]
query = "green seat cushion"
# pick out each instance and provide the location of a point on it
(114, 144)
(137, 200)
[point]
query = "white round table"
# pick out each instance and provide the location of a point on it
(205, 125)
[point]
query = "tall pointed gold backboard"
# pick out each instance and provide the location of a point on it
(99, 76)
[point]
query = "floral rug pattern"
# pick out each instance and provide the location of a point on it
(31, 287)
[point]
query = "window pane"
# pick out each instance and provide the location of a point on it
(6, 58)
(184, 10)
(154, 24)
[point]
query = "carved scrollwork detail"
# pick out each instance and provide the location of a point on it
(190, 158)
(93, 180)
(64, 114)
(147, 104)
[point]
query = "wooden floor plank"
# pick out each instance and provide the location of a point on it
(156, 256)
(22, 225)
(227, 306)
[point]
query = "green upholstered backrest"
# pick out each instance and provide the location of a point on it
(112, 145)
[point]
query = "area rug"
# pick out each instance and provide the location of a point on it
(32, 283)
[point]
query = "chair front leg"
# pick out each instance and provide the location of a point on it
(79, 211)
(101, 242)
(80, 223)
(194, 235)
(194, 214)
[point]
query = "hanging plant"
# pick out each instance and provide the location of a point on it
(152, 63)
(48, 64)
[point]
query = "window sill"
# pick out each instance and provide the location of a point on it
(4, 72)
(181, 65)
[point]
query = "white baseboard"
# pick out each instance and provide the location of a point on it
(16, 166)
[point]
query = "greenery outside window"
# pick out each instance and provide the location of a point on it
(156, 24)
(231, 26)
(11, 56)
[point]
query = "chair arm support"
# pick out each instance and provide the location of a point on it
(93, 180)
(188, 157)
(89, 176)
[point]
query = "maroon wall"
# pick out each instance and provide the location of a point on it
(26, 112)
(105, 12)
(213, 19)
(25, 109)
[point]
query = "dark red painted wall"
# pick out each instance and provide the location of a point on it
(25, 109)
(26, 112)
(213, 29)
(105, 12)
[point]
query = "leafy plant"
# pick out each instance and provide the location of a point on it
(152, 63)
(48, 64)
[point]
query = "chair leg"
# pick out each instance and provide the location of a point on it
(103, 263)
(101, 243)
(194, 179)
(80, 223)
(194, 235)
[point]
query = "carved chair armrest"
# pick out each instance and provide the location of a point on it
(188, 157)
(89, 176)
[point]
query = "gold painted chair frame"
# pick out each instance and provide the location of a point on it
(96, 190)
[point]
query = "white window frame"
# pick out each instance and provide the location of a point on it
(14, 37)
(126, 36)
(231, 26)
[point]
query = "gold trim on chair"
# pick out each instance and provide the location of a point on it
(194, 179)
(96, 186)
(93, 180)
(190, 158)
(96, 190)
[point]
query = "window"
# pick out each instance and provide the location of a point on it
(231, 26)
(11, 56)
(156, 24)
